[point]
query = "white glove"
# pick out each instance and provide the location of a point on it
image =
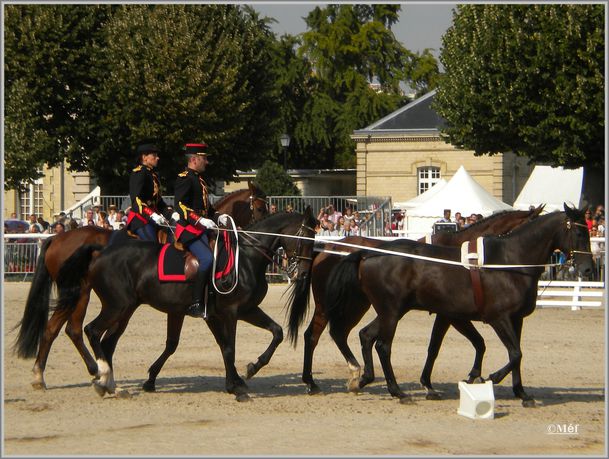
(207, 223)
(223, 219)
(175, 216)
(158, 219)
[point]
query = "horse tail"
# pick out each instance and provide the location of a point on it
(343, 289)
(298, 304)
(36, 313)
(71, 276)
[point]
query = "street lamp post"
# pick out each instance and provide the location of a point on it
(285, 143)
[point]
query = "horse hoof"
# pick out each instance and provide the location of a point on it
(251, 370)
(353, 386)
(99, 389)
(149, 386)
(476, 380)
(433, 396)
(39, 385)
(406, 400)
(528, 403)
(314, 390)
(122, 393)
(243, 398)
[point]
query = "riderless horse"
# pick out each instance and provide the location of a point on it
(37, 332)
(125, 276)
(324, 262)
(500, 292)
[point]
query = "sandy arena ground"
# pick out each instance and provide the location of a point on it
(191, 414)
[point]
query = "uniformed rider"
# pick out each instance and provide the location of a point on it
(147, 204)
(196, 221)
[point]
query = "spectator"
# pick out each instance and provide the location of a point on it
(57, 228)
(446, 218)
(461, 223)
(601, 227)
(473, 218)
(102, 219)
(13, 215)
(340, 224)
(348, 214)
(112, 215)
(89, 219)
(457, 218)
(333, 214)
(589, 220)
(329, 230)
(71, 223)
(273, 209)
(479, 217)
(356, 218)
(599, 212)
(34, 221)
(347, 229)
(289, 208)
(43, 223)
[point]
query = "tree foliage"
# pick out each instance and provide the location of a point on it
(528, 79)
(275, 181)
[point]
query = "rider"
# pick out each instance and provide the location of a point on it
(195, 214)
(145, 193)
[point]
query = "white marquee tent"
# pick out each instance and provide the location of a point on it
(423, 197)
(551, 186)
(461, 194)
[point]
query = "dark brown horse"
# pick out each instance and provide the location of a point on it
(439, 284)
(324, 262)
(126, 276)
(37, 332)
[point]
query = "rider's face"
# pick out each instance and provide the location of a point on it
(199, 163)
(150, 159)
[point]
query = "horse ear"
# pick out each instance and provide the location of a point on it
(251, 186)
(308, 212)
(569, 210)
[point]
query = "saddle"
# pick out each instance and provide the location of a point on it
(175, 264)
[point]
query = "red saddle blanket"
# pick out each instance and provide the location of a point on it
(180, 266)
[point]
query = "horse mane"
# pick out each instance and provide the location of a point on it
(266, 217)
(490, 217)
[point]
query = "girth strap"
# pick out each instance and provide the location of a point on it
(474, 273)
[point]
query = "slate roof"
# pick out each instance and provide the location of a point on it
(417, 117)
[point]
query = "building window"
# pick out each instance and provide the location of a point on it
(30, 200)
(428, 177)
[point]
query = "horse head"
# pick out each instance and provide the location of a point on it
(299, 249)
(258, 203)
(574, 240)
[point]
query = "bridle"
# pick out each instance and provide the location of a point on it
(270, 254)
(570, 224)
(253, 199)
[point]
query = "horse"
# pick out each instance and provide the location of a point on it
(125, 276)
(503, 296)
(323, 264)
(37, 332)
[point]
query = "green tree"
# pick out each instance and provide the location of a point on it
(528, 79)
(349, 47)
(49, 54)
(185, 72)
(275, 181)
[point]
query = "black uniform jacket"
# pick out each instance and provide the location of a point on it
(192, 203)
(145, 193)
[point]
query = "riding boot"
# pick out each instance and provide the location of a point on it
(197, 308)
(210, 304)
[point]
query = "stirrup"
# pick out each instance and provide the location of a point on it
(197, 310)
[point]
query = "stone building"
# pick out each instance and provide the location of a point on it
(402, 155)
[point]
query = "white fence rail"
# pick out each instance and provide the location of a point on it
(576, 294)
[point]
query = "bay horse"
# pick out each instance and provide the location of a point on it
(37, 332)
(125, 276)
(396, 284)
(324, 262)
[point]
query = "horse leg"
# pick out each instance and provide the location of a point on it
(440, 327)
(367, 337)
(527, 400)
(94, 331)
(74, 330)
(260, 319)
(340, 335)
(311, 338)
(384, 341)
(174, 328)
(50, 333)
(467, 329)
(509, 336)
(224, 333)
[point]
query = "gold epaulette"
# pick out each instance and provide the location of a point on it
(183, 174)
(138, 168)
